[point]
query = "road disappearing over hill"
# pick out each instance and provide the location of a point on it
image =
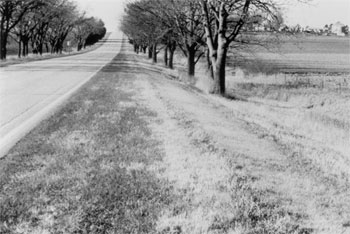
(31, 91)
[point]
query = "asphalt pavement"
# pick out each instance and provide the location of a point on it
(31, 92)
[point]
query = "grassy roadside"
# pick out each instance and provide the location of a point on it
(90, 169)
(223, 188)
(80, 170)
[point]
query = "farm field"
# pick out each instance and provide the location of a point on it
(312, 76)
(298, 54)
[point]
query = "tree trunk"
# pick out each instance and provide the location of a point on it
(27, 48)
(40, 48)
(217, 45)
(191, 64)
(136, 48)
(209, 65)
(208, 59)
(80, 46)
(3, 42)
(1, 39)
(150, 51)
(154, 53)
(19, 48)
(171, 59)
(219, 66)
(166, 55)
(23, 49)
(172, 48)
(52, 47)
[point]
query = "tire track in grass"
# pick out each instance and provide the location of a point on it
(218, 194)
(85, 169)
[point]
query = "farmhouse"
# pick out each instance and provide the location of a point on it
(337, 29)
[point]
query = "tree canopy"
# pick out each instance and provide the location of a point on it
(199, 27)
(45, 23)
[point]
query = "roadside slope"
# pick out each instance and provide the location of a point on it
(228, 147)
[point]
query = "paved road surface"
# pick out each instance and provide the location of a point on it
(30, 92)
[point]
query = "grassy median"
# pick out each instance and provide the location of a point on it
(80, 171)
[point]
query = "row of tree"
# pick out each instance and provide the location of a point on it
(45, 24)
(199, 28)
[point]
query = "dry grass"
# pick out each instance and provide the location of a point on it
(135, 153)
(218, 195)
(83, 170)
(307, 116)
(310, 105)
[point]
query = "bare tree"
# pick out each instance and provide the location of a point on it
(11, 13)
(82, 29)
(224, 23)
(172, 22)
(42, 19)
(143, 26)
(188, 25)
(65, 17)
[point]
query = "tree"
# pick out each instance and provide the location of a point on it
(161, 10)
(170, 46)
(345, 30)
(65, 16)
(97, 32)
(23, 32)
(171, 22)
(224, 23)
(11, 13)
(88, 31)
(142, 25)
(44, 22)
(184, 19)
(42, 19)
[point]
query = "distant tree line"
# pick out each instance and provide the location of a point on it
(331, 29)
(199, 28)
(45, 25)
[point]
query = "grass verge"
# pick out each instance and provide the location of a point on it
(83, 170)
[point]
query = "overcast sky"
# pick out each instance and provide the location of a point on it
(317, 13)
(109, 11)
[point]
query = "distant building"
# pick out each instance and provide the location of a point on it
(337, 29)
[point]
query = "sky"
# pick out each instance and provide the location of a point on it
(315, 13)
(110, 11)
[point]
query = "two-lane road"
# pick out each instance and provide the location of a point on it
(30, 92)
